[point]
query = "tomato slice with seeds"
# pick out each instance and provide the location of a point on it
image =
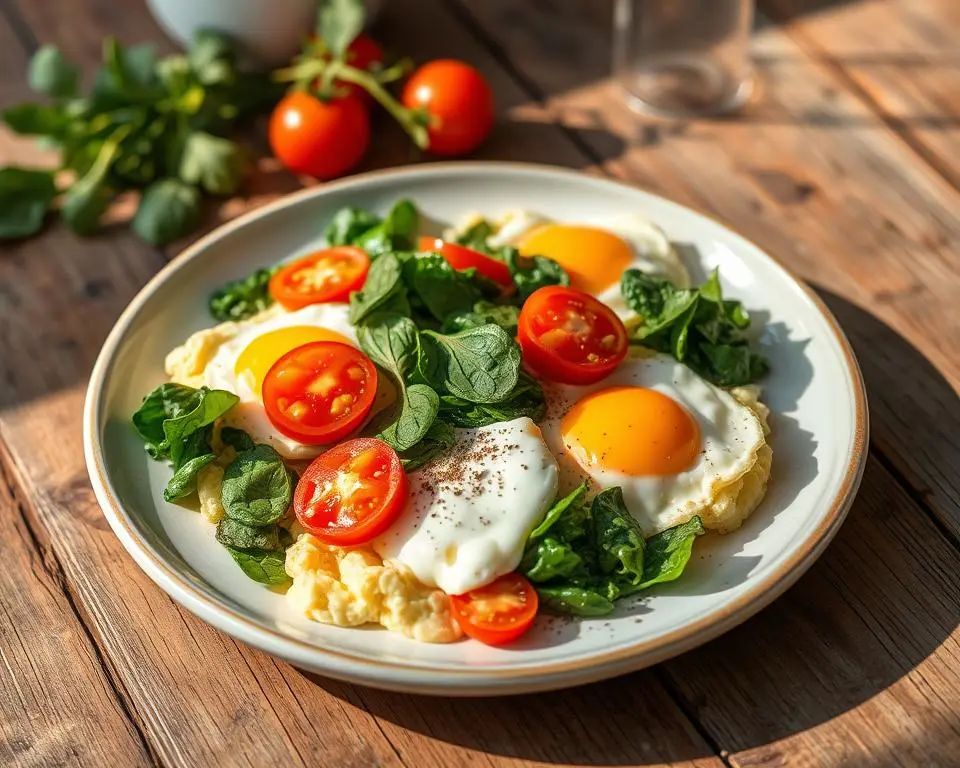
(568, 336)
(351, 493)
(461, 257)
(499, 612)
(319, 392)
(323, 276)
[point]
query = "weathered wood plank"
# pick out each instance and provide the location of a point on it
(58, 705)
(203, 698)
(814, 177)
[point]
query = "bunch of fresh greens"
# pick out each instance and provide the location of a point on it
(176, 423)
(583, 557)
(242, 298)
(147, 124)
(695, 325)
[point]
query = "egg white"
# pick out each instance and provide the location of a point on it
(731, 435)
(470, 511)
(248, 414)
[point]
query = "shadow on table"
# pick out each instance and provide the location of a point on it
(857, 623)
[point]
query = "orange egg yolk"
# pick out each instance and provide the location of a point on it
(261, 353)
(631, 430)
(594, 258)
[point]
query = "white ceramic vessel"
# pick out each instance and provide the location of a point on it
(819, 439)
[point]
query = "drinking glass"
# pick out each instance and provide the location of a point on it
(683, 57)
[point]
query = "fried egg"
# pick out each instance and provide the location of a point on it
(240, 364)
(594, 254)
(470, 510)
(672, 441)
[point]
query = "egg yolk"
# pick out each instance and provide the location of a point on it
(261, 353)
(631, 430)
(594, 258)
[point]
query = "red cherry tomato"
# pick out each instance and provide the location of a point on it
(327, 275)
(319, 392)
(322, 139)
(568, 336)
(461, 257)
(458, 102)
(499, 612)
(351, 493)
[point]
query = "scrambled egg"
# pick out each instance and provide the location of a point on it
(186, 364)
(350, 587)
(733, 503)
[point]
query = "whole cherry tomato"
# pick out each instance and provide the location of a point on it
(322, 139)
(458, 102)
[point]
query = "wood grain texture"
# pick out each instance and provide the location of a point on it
(811, 175)
(200, 697)
(58, 704)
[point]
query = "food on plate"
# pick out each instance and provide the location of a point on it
(447, 436)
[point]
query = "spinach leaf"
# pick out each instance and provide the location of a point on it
(617, 536)
(560, 509)
(475, 237)
(348, 224)
(419, 405)
(551, 558)
(242, 298)
(51, 74)
(168, 401)
(212, 163)
(257, 488)
(232, 533)
(397, 232)
(263, 566)
(480, 365)
(383, 283)
(483, 312)
(697, 326)
(202, 410)
(390, 340)
(236, 439)
(668, 552)
(184, 480)
(438, 439)
(85, 202)
(575, 600)
(526, 399)
(168, 209)
(25, 198)
(532, 272)
(133, 69)
(440, 287)
(37, 120)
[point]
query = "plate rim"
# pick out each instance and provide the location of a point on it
(362, 669)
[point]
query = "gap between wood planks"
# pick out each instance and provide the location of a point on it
(536, 92)
(53, 568)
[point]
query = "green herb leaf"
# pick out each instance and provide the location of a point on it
(265, 567)
(560, 509)
(232, 533)
(476, 236)
(169, 209)
(257, 489)
(668, 552)
(51, 74)
(551, 558)
(133, 70)
(532, 272)
(480, 365)
(25, 198)
(85, 202)
(483, 312)
(617, 536)
(236, 439)
(212, 163)
(212, 57)
(384, 281)
(168, 401)
(37, 120)
(184, 480)
(202, 410)
(338, 24)
(574, 600)
(395, 233)
(348, 224)
(244, 298)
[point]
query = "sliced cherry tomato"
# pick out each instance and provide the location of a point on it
(319, 392)
(351, 493)
(499, 612)
(461, 257)
(458, 102)
(327, 275)
(568, 336)
(320, 138)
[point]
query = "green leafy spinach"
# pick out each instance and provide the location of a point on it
(242, 298)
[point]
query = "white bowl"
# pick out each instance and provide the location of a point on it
(819, 440)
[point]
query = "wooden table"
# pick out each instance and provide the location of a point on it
(847, 169)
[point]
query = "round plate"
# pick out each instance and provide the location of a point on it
(819, 439)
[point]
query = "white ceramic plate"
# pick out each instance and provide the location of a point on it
(819, 439)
